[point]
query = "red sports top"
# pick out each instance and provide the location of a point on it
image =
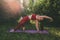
(33, 17)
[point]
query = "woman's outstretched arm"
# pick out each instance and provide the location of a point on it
(47, 17)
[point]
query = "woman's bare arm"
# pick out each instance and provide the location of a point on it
(51, 19)
(37, 25)
(47, 17)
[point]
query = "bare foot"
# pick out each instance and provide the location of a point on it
(12, 30)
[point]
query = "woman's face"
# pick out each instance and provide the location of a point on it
(40, 18)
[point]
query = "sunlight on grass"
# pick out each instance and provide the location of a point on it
(54, 31)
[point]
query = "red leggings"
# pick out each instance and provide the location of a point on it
(22, 22)
(26, 18)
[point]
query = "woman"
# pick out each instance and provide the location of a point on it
(35, 17)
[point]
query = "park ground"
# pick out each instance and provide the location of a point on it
(54, 34)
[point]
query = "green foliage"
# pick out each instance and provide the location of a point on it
(42, 7)
(47, 7)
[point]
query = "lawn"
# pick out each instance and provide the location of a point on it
(54, 34)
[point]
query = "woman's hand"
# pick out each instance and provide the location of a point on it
(51, 19)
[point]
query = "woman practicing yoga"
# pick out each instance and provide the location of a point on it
(34, 17)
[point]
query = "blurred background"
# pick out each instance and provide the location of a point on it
(12, 10)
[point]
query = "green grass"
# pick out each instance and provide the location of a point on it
(54, 34)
